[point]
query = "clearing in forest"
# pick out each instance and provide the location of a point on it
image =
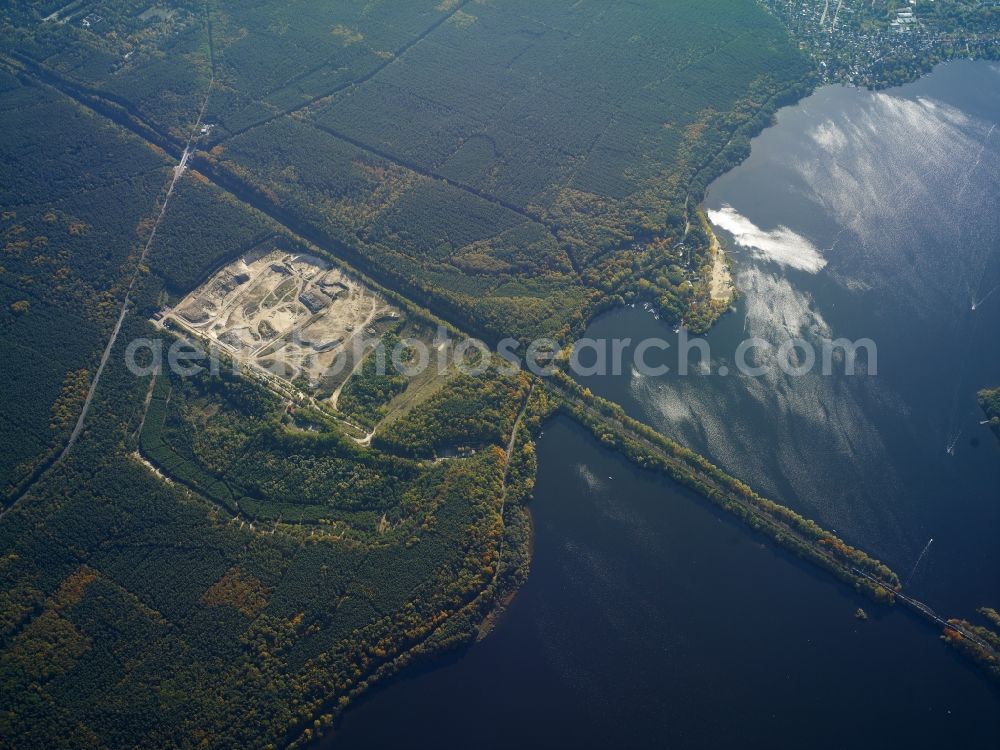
(291, 316)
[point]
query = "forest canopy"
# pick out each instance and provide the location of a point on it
(225, 560)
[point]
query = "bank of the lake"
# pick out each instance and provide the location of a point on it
(895, 195)
(650, 618)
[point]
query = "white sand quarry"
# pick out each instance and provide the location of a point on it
(293, 315)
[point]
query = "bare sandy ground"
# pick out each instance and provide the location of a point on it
(292, 315)
(720, 282)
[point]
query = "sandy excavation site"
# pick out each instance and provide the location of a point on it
(292, 315)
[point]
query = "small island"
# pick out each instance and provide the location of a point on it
(989, 400)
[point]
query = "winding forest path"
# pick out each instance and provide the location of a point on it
(506, 471)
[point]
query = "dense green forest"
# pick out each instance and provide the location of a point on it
(204, 228)
(75, 202)
(220, 564)
(516, 166)
(207, 563)
(151, 59)
(220, 571)
(566, 182)
(469, 413)
(366, 395)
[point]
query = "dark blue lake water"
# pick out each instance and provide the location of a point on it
(650, 618)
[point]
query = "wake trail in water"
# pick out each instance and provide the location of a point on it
(970, 327)
(979, 160)
(950, 450)
(913, 184)
(980, 260)
(920, 558)
(978, 265)
(979, 302)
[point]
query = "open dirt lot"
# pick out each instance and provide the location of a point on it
(292, 315)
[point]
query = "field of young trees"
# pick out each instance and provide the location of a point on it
(504, 164)
(520, 158)
(75, 198)
(267, 58)
(204, 229)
